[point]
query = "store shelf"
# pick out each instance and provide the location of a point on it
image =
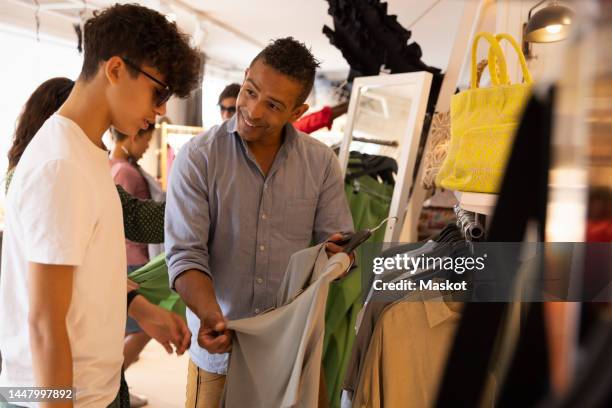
(480, 203)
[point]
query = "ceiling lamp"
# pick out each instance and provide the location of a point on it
(550, 24)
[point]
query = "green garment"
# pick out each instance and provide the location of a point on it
(369, 201)
(153, 281)
(143, 220)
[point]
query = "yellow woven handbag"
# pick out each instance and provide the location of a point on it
(483, 122)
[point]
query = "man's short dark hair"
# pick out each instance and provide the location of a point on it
(292, 58)
(144, 36)
(230, 91)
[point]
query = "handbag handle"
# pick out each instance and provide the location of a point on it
(526, 74)
(497, 60)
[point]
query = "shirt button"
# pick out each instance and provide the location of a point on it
(264, 216)
(257, 311)
(259, 280)
(262, 248)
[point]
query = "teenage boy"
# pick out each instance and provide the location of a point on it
(241, 200)
(62, 300)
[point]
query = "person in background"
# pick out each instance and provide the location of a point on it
(62, 303)
(128, 174)
(227, 101)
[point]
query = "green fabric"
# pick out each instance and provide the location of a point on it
(343, 305)
(369, 202)
(154, 285)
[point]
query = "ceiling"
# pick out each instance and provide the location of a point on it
(263, 20)
(231, 32)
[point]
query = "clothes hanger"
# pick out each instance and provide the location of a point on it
(352, 241)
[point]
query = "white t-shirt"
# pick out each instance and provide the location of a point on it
(63, 208)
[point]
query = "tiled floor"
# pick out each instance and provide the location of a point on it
(159, 376)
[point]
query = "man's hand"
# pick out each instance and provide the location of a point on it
(332, 248)
(196, 289)
(164, 326)
(214, 335)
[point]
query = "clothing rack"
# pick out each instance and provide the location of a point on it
(392, 143)
(167, 132)
(469, 225)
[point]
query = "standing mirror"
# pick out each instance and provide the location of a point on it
(385, 118)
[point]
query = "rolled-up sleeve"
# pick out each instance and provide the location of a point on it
(333, 213)
(187, 219)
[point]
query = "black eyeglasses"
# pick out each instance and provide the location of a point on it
(161, 95)
(228, 109)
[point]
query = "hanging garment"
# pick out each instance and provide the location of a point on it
(153, 281)
(315, 121)
(370, 316)
(344, 303)
(276, 356)
(369, 201)
(375, 166)
(406, 356)
(483, 123)
(159, 195)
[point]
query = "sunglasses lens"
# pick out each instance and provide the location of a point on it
(162, 96)
(230, 109)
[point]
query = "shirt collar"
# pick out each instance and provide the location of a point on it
(437, 311)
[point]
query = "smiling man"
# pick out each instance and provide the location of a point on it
(241, 200)
(63, 289)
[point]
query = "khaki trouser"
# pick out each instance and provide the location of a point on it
(204, 389)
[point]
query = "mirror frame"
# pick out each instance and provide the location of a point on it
(421, 81)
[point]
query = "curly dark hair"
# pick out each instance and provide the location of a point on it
(144, 36)
(230, 91)
(43, 103)
(292, 58)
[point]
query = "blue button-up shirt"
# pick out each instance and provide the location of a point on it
(224, 217)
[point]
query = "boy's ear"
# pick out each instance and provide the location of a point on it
(113, 68)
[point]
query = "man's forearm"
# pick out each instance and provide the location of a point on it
(197, 291)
